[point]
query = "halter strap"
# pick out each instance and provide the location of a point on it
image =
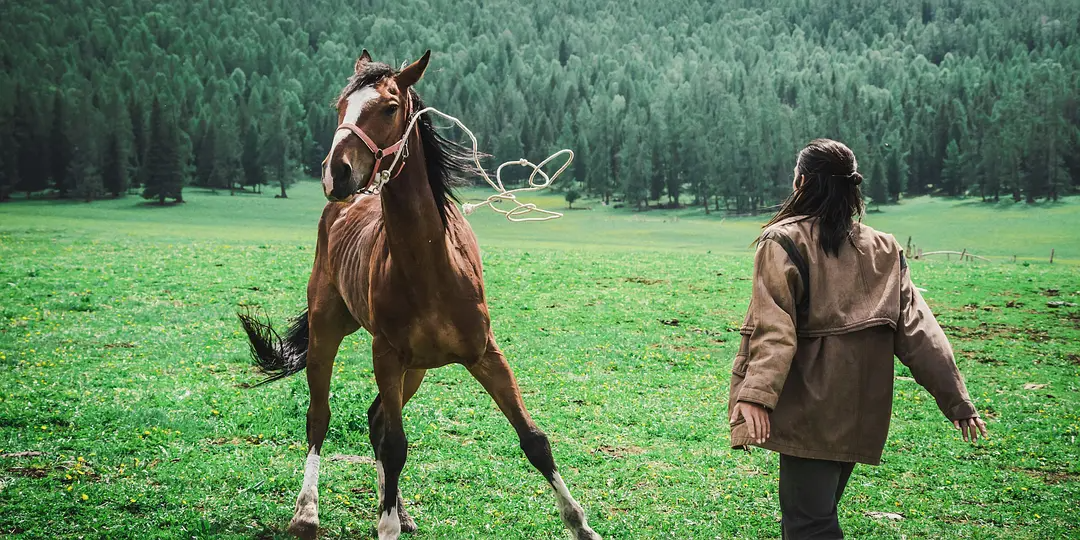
(375, 183)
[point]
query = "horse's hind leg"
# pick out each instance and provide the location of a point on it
(493, 372)
(329, 322)
(413, 378)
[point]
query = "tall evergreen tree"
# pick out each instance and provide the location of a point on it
(164, 164)
(953, 173)
(84, 174)
(139, 142)
(879, 184)
(60, 146)
(9, 152)
(253, 175)
(114, 167)
(896, 173)
(31, 157)
(9, 157)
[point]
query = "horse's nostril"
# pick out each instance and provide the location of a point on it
(340, 172)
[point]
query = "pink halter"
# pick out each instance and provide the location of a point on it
(372, 187)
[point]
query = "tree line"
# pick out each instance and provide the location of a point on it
(681, 102)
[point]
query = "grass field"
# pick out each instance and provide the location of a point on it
(123, 371)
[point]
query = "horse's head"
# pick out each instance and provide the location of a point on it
(373, 113)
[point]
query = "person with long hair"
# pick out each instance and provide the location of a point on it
(832, 303)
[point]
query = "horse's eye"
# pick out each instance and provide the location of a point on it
(391, 109)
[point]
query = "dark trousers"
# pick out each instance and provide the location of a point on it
(809, 492)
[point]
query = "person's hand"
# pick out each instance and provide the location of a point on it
(970, 428)
(757, 420)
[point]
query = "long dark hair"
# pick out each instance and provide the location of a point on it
(827, 188)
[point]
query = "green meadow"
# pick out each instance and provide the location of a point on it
(124, 411)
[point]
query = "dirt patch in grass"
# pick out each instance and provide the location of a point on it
(684, 348)
(35, 471)
(364, 460)
(995, 330)
(644, 281)
(619, 452)
(981, 358)
(21, 454)
(1051, 477)
(41, 470)
(234, 441)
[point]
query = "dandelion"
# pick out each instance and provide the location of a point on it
(84, 497)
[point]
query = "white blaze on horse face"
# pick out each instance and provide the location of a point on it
(356, 103)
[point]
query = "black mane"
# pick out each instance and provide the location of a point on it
(447, 162)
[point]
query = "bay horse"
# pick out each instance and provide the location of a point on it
(395, 257)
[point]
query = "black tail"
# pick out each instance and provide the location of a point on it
(276, 357)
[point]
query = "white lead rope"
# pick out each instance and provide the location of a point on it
(504, 195)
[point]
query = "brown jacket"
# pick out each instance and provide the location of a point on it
(818, 344)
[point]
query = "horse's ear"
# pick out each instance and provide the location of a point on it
(413, 72)
(364, 59)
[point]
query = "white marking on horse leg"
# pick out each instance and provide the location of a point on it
(570, 511)
(389, 525)
(306, 519)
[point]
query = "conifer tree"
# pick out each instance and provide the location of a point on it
(164, 164)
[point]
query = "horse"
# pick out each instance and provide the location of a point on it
(395, 257)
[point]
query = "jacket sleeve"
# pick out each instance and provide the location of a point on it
(921, 345)
(772, 325)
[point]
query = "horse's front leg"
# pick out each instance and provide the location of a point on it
(329, 322)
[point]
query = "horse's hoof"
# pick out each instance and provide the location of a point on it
(304, 528)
